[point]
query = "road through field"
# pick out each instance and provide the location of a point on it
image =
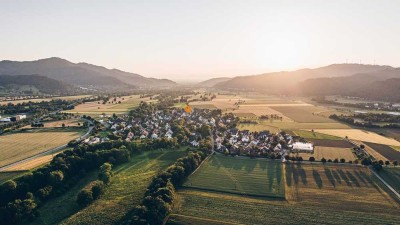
(51, 151)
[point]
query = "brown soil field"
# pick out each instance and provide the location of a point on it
(331, 143)
(386, 151)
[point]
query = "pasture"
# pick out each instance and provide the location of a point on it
(360, 135)
(246, 176)
(329, 153)
(315, 194)
(126, 190)
(18, 146)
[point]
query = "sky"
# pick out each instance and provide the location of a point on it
(197, 40)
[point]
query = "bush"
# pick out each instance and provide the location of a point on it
(97, 189)
(84, 198)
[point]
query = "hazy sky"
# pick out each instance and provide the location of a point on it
(202, 39)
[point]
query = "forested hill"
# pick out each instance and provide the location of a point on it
(29, 83)
(80, 73)
(381, 85)
(283, 82)
(213, 81)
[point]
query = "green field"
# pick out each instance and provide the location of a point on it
(126, 190)
(315, 135)
(5, 176)
(392, 176)
(239, 175)
(315, 194)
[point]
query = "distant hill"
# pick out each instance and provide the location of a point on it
(283, 82)
(379, 85)
(212, 82)
(82, 74)
(32, 83)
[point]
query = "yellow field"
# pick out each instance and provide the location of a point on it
(258, 127)
(330, 153)
(45, 99)
(70, 122)
(127, 103)
(19, 146)
(31, 163)
(360, 135)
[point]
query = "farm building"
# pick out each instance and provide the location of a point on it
(303, 147)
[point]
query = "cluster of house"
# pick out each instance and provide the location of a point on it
(12, 118)
(244, 142)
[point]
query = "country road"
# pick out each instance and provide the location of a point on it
(50, 151)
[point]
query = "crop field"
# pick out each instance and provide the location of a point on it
(126, 190)
(19, 146)
(127, 103)
(302, 114)
(392, 176)
(58, 123)
(205, 106)
(360, 135)
(31, 164)
(386, 151)
(245, 115)
(74, 97)
(314, 135)
(315, 194)
(239, 175)
(330, 153)
(257, 127)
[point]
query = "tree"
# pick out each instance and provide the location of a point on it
(84, 198)
(342, 160)
(335, 160)
(387, 163)
(380, 162)
(395, 163)
(323, 160)
(97, 189)
(63, 125)
(311, 159)
(329, 160)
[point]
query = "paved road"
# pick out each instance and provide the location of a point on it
(50, 151)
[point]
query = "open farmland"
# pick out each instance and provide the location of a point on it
(386, 151)
(58, 123)
(257, 127)
(18, 146)
(96, 107)
(302, 114)
(126, 190)
(331, 143)
(330, 153)
(360, 135)
(73, 97)
(314, 135)
(315, 194)
(239, 175)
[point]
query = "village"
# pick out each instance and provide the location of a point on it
(227, 139)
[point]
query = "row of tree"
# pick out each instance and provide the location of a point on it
(160, 195)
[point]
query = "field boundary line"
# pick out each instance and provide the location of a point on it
(386, 184)
(205, 219)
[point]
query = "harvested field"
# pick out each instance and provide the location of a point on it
(206, 106)
(127, 103)
(22, 145)
(386, 151)
(58, 123)
(302, 114)
(31, 164)
(314, 135)
(245, 115)
(239, 175)
(360, 135)
(257, 127)
(330, 153)
(331, 143)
